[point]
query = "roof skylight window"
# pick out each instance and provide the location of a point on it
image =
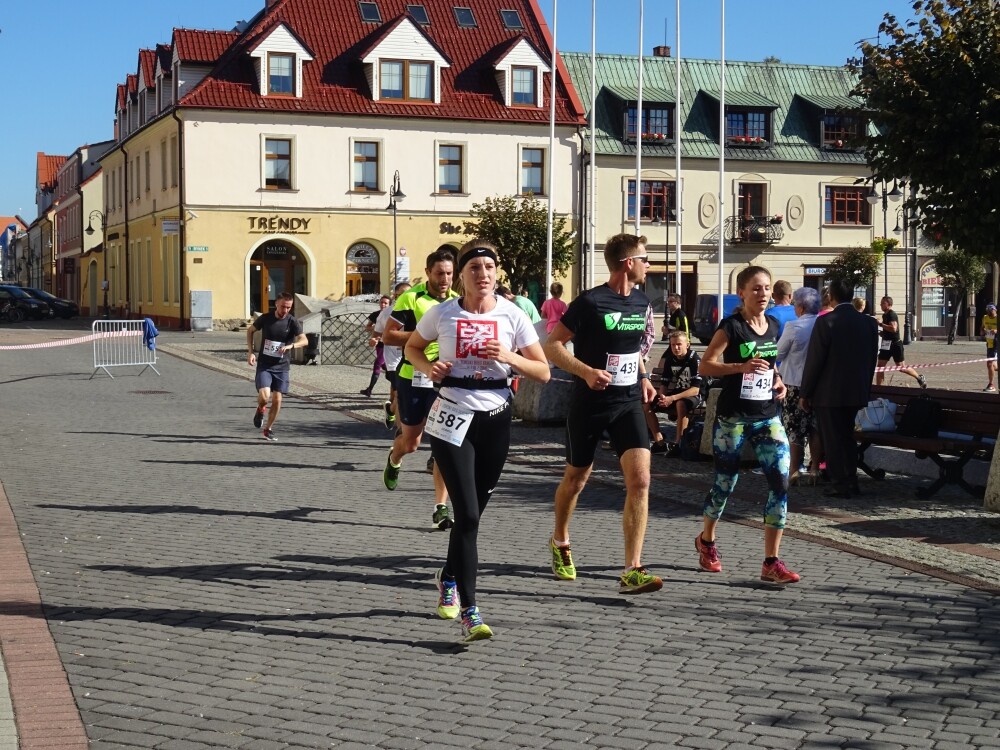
(419, 13)
(465, 18)
(370, 12)
(511, 19)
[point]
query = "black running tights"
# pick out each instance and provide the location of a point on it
(471, 472)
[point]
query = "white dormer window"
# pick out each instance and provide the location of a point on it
(281, 73)
(519, 74)
(278, 60)
(405, 66)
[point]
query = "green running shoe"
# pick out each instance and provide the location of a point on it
(390, 475)
(638, 581)
(448, 601)
(441, 520)
(473, 627)
(562, 562)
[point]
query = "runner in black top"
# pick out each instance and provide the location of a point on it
(890, 347)
(743, 352)
(280, 333)
(607, 325)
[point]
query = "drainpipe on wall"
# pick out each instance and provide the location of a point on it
(79, 193)
(182, 224)
(125, 208)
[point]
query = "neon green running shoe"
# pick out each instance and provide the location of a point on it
(562, 562)
(390, 475)
(638, 581)
(473, 627)
(448, 602)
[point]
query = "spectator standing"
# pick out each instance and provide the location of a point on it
(836, 383)
(676, 319)
(792, 348)
(554, 307)
(989, 334)
(783, 311)
(523, 303)
(859, 304)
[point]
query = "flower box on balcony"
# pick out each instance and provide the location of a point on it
(747, 141)
(656, 138)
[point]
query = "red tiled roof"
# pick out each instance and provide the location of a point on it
(47, 166)
(120, 98)
(199, 46)
(131, 85)
(147, 66)
(6, 221)
(334, 82)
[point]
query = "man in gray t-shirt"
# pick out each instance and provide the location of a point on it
(280, 333)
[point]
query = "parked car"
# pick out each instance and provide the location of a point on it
(706, 314)
(31, 307)
(64, 308)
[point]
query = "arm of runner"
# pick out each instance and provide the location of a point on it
(648, 389)
(301, 342)
(251, 356)
(530, 361)
(414, 353)
(555, 349)
(394, 334)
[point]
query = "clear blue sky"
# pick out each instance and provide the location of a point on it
(60, 60)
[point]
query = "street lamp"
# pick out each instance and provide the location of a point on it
(873, 198)
(104, 253)
(904, 214)
(395, 195)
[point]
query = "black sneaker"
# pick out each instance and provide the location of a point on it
(430, 465)
(660, 446)
(269, 436)
(390, 419)
(922, 381)
(258, 417)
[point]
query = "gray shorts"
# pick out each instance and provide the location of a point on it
(275, 379)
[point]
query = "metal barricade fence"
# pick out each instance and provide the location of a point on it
(121, 343)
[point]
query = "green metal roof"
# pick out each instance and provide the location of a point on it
(792, 91)
(830, 102)
(742, 99)
(650, 95)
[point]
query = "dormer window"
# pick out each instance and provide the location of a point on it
(406, 80)
(657, 122)
(281, 73)
(370, 12)
(511, 19)
(525, 86)
(419, 13)
(465, 18)
(842, 131)
(751, 124)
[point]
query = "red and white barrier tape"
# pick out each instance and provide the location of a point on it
(892, 368)
(70, 342)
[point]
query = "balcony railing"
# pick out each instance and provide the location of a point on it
(761, 230)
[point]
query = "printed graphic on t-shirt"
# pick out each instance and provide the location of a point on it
(765, 349)
(472, 335)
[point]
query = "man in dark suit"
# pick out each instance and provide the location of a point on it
(836, 383)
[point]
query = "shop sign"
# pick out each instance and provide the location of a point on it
(278, 251)
(815, 270)
(170, 226)
(929, 276)
(197, 248)
(286, 224)
(362, 258)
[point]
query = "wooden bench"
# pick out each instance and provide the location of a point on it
(969, 425)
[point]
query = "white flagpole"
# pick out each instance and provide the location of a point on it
(638, 132)
(678, 189)
(592, 228)
(551, 155)
(722, 154)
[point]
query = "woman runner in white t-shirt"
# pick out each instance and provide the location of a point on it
(481, 338)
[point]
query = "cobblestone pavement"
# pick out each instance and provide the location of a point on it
(207, 589)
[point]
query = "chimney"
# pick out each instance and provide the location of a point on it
(661, 50)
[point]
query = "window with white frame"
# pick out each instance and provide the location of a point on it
(532, 171)
(524, 89)
(450, 168)
(366, 166)
(278, 163)
(281, 74)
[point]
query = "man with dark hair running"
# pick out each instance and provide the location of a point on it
(607, 325)
(414, 390)
(890, 347)
(280, 333)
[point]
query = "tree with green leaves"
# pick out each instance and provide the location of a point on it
(962, 271)
(859, 265)
(933, 92)
(519, 229)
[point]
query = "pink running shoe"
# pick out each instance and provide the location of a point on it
(708, 556)
(776, 572)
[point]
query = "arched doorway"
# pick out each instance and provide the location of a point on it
(276, 266)
(362, 270)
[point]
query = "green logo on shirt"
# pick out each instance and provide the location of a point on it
(611, 320)
(747, 348)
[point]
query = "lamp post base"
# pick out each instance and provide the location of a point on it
(907, 332)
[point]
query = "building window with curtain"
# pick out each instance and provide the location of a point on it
(532, 171)
(405, 80)
(450, 169)
(365, 166)
(524, 91)
(281, 74)
(847, 205)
